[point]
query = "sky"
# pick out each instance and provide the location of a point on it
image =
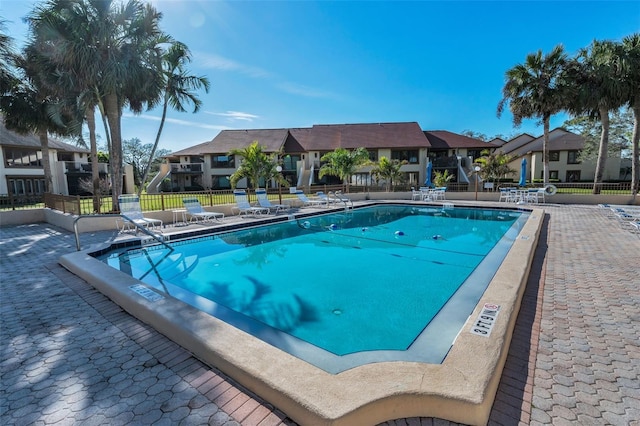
(287, 64)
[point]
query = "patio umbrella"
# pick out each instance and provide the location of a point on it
(427, 181)
(523, 173)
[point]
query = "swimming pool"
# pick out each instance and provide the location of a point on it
(341, 289)
(461, 388)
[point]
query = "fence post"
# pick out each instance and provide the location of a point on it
(79, 211)
(210, 197)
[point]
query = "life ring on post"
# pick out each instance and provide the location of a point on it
(550, 189)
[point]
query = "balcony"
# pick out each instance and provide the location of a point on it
(186, 168)
(78, 168)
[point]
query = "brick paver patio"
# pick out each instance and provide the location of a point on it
(71, 356)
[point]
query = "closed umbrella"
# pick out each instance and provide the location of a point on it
(523, 173)
(427, 181)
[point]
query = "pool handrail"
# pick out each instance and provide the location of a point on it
(136, 225)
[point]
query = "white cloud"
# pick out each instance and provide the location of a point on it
(235, 115)
(208, 60)
(310, 92)
(179, 122)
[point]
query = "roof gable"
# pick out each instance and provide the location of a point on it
(272, 140)
(559, 140)
(11, 138)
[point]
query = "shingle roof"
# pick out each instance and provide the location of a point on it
(11, 138)
(516, 143)
(444, 139)
(559, 140)
(327, 137)
(271, 140)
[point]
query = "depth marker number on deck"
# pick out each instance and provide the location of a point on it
(483, 325)
(147, 293)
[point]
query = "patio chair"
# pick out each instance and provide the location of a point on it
(438, 194)
(264, 202)
(244, 207)
(416, 195)
(195, 212)
(308, 202)
(130, 209)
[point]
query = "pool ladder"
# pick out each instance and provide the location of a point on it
(138, 227)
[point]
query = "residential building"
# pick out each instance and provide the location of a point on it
(208, 165)
(565, 164)
(22, 173)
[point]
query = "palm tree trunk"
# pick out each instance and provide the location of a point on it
(602, 151)
(46, 164)
(155, 146)
(635, 150)
(545, 151)
(112, 111)
(95, 170)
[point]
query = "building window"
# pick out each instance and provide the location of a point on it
(554, 155)
(553, 174)
(22, 157)
(573, 175)
(220, 182)
(474, 153)
(573, 157)
(373, 155)
(408, 155)
(219, 161)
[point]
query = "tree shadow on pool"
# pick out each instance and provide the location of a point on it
(254, 298)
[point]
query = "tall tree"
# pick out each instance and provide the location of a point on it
(343, 163)
(8, 78)
(178, 91)
(620, 130)
(111, 52)
(596, 75)
(136, 153)
(535, 89)
(631, 92)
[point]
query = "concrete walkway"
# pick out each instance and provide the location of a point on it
(71, 356)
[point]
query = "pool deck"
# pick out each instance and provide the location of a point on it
(70, 355)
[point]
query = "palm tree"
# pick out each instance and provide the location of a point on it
(8, 78)
(178, 91)
(631, 86)
(535, 89)
(30, 107)
(596, 79)
(388, 170)
(495, 165)
(256, 164)
(343, 163)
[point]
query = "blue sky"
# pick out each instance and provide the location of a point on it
(298, 63)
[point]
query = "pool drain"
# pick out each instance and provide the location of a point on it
(337, 311)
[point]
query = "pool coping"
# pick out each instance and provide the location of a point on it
(456, 390)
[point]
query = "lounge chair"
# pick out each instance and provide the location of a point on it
(309, 202)
(195, 212)
(243, 206)
(263, 201)
(132, 214)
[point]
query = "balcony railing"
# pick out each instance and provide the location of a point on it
(186, 168)
(80, 167)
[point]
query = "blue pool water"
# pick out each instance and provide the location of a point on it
(364, 281)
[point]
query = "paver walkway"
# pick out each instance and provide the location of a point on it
(71, 356)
